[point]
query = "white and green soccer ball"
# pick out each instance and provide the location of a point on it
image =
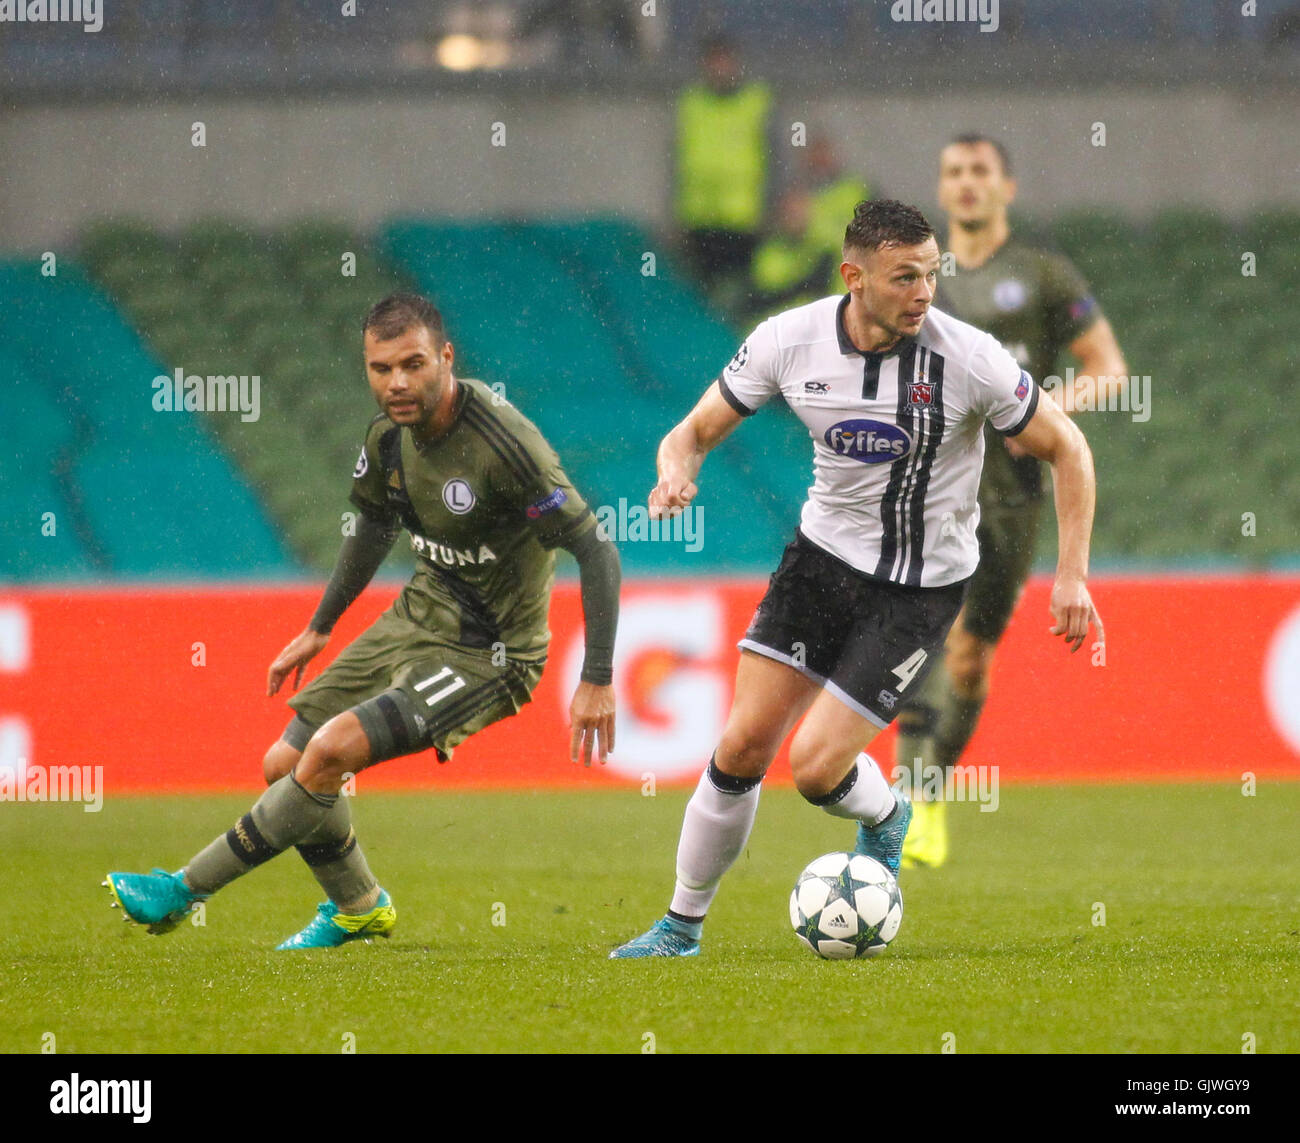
(845, 905)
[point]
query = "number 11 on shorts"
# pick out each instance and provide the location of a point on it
(906, 670)
(455, 685)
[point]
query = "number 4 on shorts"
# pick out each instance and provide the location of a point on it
(455, 685)
(906, 670)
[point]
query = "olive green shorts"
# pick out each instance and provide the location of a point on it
(412, 690)
(1007, 535)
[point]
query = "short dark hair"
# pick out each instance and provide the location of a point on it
(398, 312)
(886, 222)
(974, 138)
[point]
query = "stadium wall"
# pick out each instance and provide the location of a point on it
(165, 689)
(367, 158)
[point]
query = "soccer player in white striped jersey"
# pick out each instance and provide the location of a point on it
(895, 395)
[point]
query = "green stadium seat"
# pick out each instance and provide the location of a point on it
(1082, 230)
(80, 379)
(175, 513)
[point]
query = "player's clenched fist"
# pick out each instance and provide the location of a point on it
(670, 496)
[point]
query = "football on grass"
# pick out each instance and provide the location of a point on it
(845, 905)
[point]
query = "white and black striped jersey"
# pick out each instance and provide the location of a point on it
(898, 440)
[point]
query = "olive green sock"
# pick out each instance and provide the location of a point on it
(916, 752)
(934, 730)
(958, 718)
(281, 817)
(336, 861)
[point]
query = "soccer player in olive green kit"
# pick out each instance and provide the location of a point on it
(1036, 304)
(486, 503)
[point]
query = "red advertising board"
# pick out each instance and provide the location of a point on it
(165, 687)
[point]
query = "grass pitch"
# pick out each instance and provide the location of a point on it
(998, 952)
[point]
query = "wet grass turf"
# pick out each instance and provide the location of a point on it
(998, 951)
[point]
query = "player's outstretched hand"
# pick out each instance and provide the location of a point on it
(591, 716)
(670, 496)
(1073, 611)
(294, 658)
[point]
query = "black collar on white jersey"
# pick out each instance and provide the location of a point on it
(847, 346)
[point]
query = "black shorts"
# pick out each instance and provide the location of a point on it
(868, 641)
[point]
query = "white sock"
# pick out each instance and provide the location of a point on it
(864, 794)
(714, 832)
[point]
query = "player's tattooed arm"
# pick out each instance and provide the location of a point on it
(359, 559)
(591, 713)
(1051, 436)
(682, 452)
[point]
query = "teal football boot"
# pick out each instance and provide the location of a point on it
(884, 842)
(329, 928)
(665, 938)
(158, 900)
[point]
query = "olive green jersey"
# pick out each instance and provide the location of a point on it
(1035, 303)
(485, 504)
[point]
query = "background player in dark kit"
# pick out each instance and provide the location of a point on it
(1036, 304)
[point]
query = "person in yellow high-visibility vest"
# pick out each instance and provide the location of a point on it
(835, 194)
(722, 167)
(789, 269)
